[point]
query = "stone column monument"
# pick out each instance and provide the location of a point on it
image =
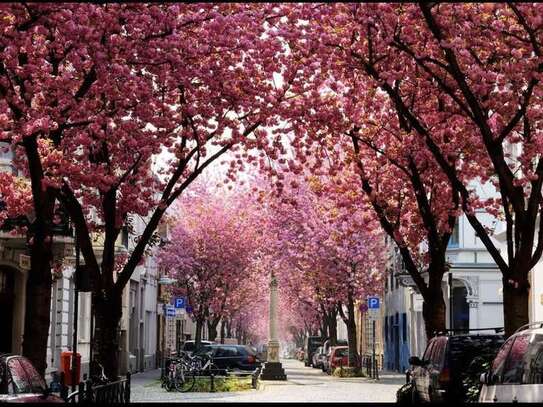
(273, 370)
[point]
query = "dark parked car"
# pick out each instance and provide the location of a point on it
(20, 382)
(190, 346)
(233, 357)
(312, 343)
(450, 366)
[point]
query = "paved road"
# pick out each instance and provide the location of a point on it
(303, 384)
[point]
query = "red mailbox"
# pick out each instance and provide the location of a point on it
(66, 367)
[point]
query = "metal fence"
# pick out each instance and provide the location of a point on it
(114, 392)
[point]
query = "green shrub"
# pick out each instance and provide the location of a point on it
(348, 372)
(221, 384)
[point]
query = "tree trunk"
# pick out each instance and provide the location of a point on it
(332, 327)
(229, 328)
(198, 335)
(108, 313)
(433, 312)
(516, 291)
(223, 329)
(351, 334)
(38, 313)
(212, 329)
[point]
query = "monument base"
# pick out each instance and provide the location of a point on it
(273, 371)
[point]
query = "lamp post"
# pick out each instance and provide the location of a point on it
(163, 281)
(273, 370)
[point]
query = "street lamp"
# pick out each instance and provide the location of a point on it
(163, 281)
(273, 370)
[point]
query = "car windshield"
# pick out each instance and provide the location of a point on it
(188, 347)
(342, 352)
(23, 377)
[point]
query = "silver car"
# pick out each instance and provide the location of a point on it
(516, 374)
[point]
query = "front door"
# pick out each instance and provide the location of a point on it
(7, 297)
(396, 334)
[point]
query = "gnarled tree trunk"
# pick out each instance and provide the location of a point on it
(108, 315)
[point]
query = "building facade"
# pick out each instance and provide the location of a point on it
(471, 291)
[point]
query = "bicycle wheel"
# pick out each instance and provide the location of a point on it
(184, 380)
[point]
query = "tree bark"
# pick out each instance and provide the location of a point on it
(332, 326)
(212, 329)
(37, 314)
(106, 336)
(351, 333)
(223, 329)
(434, 312)
(516, 292)
(198, 334)
(38, 285)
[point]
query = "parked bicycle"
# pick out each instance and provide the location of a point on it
(182, 371)
(180, 376)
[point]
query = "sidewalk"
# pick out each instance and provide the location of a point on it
(141, 378)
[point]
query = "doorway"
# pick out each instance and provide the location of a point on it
(7, 300)
(460, 307)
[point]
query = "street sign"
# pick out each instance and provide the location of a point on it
(189, 309)
(180, 302)
(170, 311)
(363, 307)
(374, 315)
(373, 303)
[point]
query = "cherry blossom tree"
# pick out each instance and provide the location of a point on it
(210, 254)
(92, 95)
(332, 246)
(464, 79)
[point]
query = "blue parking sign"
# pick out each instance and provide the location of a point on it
(373, 302)
(170, 311)
(180, 302)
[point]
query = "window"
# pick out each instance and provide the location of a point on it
(454, 240)
(428, 351)
(533, 365)
(438, 353)
(36, 382)
(499, 362)
(512, 372)
(18, 383)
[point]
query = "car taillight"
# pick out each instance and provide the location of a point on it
(444, 376)
(251, 359)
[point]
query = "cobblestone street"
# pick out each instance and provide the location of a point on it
(303, 384)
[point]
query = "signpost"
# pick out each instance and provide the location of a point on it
(180, 302)
(170, 311)
(373, 314)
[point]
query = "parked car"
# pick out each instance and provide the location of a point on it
(190, 346)
(310, 346)
(262, 352)
(317, 357)
(339, 356)
(516, 373)
(20, 382)
(326, 349)
(232, 357)
(450, 366)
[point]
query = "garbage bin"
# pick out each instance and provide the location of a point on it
(66, 367)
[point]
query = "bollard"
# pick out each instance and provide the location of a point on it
(212, 382)
(127, 388)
